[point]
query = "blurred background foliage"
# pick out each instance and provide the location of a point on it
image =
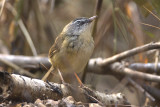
(29, 27)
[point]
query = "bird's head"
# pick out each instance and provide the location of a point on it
(78, 26)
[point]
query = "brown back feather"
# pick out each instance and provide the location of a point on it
(56, 46)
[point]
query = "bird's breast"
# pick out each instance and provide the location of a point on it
(77, 52)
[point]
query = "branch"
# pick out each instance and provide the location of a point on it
(145, 67)
(129, 53)
(118, 68)
(29, 62)
(2, 6)
(27, 36)
(97, 13)
(136, 85)
(152, 90)
(17, 68)
(14, 86)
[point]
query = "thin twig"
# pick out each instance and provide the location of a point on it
(3, 2)
(17, 68)
(104, 27)
(48, 73)
(28, 37)
(129, 53)
(59, 72)
(156, 60)
(119, 68)
(95, 99)
(152, 13)
(152, 90)
(120, 86)
(52, 6)
(44, 66)
(140, 88)
(97, 13)
(24, 30)
(79, 80)
(29, 62)
(145, 67)
(150, 25)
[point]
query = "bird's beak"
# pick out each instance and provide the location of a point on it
(92, 18)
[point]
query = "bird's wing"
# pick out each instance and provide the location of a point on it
(56, 46)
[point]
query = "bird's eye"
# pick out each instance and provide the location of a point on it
(82, 22)
(78, 21)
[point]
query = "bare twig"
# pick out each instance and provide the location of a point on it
(3, 2)
(145, 67)
(150, 25)
(28, 37)
(52, 6)
(140, 88)
(48, 73)
(152, 13)
(119, 68)
(59, 72)
(152, 90)
(79, 80)
(119, 87)
(104, 26)
(24, 30)
(129, 53)
(17, 68)
(29, 62)
(3, 48)
(97, 13)
(156, 60)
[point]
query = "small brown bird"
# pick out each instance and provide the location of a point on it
(72, 49)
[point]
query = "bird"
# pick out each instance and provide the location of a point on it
(71, 50)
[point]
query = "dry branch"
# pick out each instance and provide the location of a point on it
(145, 67)
(27, 36)
(141, 89)
(155, 92)
(97, 13)
(14, 66)
(118, 68)
(18, 87)
(1, 10)
(129, 53)
(29, 62)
